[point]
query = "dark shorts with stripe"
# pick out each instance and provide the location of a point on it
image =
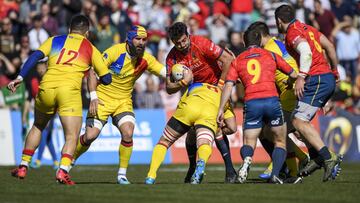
(318, 89)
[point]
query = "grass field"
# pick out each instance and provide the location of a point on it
(98, 184)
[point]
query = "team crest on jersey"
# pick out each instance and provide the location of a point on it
(105, 56)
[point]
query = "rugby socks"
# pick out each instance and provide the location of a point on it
(125, 151)
(224, 149)
(324, 154)
(278, 158)
(292, 164)
(65, 162)
(26, 157)
(246, 151)
(157, 158)
(191, 152)
(300, 154)
(204, 152)
(81, 147)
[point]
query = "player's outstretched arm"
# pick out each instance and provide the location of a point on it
(225, 96)
(226, 58)
(331, 54)
(100, 67)
(92, 84)
(29, 64)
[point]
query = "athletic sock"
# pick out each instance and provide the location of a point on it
(225, 153)
(26, 157)
(157, 158)
(268, 146)
(191, 152)
(292, 164)
(300, 154)
(324, 154)
(81, 147)
(125, 151)
(65, 162)
(278, 158)
(204, 152)
(246, 151)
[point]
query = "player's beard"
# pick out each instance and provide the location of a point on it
(136, 50)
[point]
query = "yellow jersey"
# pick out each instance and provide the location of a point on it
(287, 96)
(69, 56)
(126, 70)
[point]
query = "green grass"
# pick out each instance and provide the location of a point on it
(98, 184)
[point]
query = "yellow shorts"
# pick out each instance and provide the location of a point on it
(229, 111)
(288, 100)
(65, 100)
(199, 107)
(111, 107)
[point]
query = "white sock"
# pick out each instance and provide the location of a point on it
(66, 168)
(25, 163)
(122, 171)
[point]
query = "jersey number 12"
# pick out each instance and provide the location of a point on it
(71, 53)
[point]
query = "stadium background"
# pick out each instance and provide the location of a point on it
(26, 24)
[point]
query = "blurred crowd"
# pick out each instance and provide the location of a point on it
(26, 24)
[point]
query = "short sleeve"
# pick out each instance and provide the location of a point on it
(292, 36)
(232, 75)
(97, 62)
(155, 67)
(109, 55)
(45, 48)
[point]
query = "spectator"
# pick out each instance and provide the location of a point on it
(49, 22)
(302, 13)
(218, 26)
(37, 35)
(194, 27)
(28, 10)
(241, 14)
(310, 4)
(63, 10)
(347, 40)
(236, 43)
(105, 34)
(9, 44)
(150, 98)
(6, 6)
(270, 16)
(25, 50)
(165, 46)
(258, 13)
(184, 9)
(325, 19)
(120, 19)
(342, 8)
(6, 69)
(89, 10)
(158, 21)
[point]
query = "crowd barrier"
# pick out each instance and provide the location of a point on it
(341, 133)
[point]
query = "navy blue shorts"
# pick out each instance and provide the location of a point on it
(318, 89)
(260, 111)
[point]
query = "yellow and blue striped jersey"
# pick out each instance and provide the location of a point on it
(126, 70)
(69, 56)
(287, 98)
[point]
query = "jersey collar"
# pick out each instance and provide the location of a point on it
(291, 24)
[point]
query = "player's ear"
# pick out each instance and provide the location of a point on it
(87, 34)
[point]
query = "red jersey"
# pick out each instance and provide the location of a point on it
(201, 59)
(298, 30)
(256, 69)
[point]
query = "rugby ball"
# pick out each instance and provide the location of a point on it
(177, 71)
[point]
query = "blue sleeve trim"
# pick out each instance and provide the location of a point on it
(31, 62)
(106, 79)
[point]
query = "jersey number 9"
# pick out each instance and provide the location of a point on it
(253, 68)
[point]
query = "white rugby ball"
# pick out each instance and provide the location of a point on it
(177, 71)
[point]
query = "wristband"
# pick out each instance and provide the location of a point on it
(221, 83)
(19, 77)
(93, 95)
(183, 83)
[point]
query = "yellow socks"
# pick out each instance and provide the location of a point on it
(157, 158)
(204, 152)
(81, 147)
(125, 151)
(26, 157)
(65, 162)
(292, 164)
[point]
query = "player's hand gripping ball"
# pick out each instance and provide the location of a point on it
(177, 71)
